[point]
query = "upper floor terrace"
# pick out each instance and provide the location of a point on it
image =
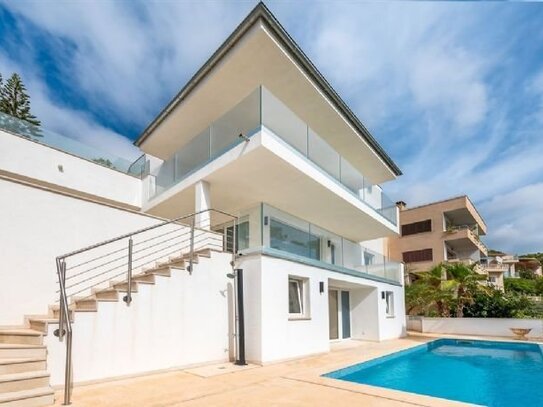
(285, 144)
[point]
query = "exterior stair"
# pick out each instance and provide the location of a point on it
(24, 380)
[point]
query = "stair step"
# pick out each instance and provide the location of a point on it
(123, 286)
(204, 253)
(16, 351)
(144, 278)
(54, 311)
(21, 336)
(19, 365)
(86, 304)
(160, 271)
(40, 396)
(109, 294)
(195, 258)
(177, 261)
(23, 381)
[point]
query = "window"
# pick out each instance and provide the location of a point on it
(293, 240)
(242, 236)
(417, 255)
(389, 298)
(297, 297)
(417, 227)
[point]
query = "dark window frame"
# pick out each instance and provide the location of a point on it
(414, 228)
(417, 256)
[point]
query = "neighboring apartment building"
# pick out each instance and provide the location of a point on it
(443, 231)
(529, 263)
(282, 182)
(499, 266)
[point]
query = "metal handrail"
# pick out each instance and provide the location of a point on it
(65, 324)
(137, 232)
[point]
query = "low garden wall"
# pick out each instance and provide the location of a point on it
(474, 326)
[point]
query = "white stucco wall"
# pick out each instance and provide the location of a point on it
(36, 226)
(270, 334)
(475, 326)
(182, 320)
(35, 162)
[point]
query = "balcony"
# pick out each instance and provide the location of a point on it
(72, 146)
(464, 237)
(259, 111)
(268, 230)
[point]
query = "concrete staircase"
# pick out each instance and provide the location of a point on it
(24, 380)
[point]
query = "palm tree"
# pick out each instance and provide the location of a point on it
(464, 282)
(430, 292)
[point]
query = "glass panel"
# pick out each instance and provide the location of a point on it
(320, 152)
(192, 155)
(352, 178)
(242, 236)
(333, 314)
(294, 297)
(277, 117)
(165, 176)
(352, 256)
(242, 119)
(345, 315)
(66, 144)
(293, 240)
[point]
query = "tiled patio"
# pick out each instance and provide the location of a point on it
(294, 383)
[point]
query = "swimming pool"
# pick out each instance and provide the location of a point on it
(480, 372)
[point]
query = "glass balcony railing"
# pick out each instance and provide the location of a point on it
(69, 145)
(262, 109)
(282, 234)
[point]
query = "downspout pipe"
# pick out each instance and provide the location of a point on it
(240, 357)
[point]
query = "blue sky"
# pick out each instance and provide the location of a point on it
(453, 91)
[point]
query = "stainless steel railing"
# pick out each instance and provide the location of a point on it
(103, 262)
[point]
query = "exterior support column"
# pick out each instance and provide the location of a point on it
(202, 202)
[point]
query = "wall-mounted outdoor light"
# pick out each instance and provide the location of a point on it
(321, 286)
(265, 221)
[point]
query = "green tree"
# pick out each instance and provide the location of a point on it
(430, 294)
(104, 161)
(496, 304)
(15, 101)
(522, 286)
(465, 283)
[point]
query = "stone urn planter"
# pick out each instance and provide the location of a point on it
(520, 333)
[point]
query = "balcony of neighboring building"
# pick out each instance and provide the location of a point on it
(260, 151)
(463, 226)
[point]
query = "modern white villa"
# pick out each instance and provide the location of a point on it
(252, 228)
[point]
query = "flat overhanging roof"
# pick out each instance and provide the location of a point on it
(260, 52)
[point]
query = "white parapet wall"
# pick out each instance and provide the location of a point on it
(474, 326)
(34, 162)
(181, 320)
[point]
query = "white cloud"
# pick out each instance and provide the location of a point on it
(402, 54)
(131, 57)
(516, 219)
(68, 122)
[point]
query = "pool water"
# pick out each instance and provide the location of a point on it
(479, 372)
